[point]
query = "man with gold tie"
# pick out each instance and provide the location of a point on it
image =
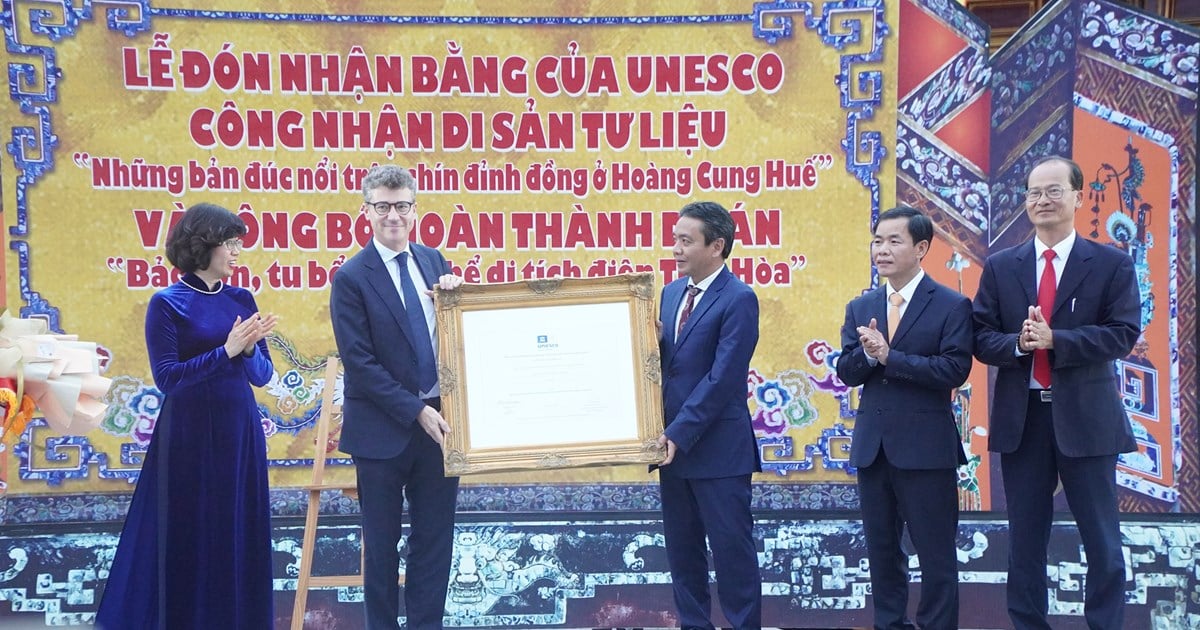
(906, 444)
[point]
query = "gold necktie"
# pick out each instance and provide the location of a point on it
(893, 322)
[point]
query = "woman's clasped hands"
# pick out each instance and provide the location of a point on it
(246, 333)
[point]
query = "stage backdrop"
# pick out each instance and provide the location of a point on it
(543, 145)
(564, 145)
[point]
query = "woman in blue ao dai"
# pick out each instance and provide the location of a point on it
(195, 552)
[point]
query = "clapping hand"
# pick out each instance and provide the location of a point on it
(244, 334)
(873, 342)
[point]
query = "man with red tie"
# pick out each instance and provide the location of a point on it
(1052, 315)
(709, 331)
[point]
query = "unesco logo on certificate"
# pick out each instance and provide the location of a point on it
(544, 343)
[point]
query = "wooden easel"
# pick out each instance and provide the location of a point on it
(305, 580)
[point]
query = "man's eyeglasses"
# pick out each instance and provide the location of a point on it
(1053, 193)
(382, 208)
(234, 245)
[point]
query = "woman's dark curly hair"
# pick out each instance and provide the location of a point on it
(203, 227)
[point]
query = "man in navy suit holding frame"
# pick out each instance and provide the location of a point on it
(906, 444)
(709, 330)
(1052, 315)
(383, 322)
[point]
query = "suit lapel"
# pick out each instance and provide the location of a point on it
(1074, 272)
(1027, 271)
(672, 298)
(426, 263)
(381, 281)
(877, 307)
(707, 299)
(920, 300)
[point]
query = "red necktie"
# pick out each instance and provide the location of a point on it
(1046, 291)
(692, 292)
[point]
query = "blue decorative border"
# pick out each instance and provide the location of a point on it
(963, 191)
(1142, 41)
(35, 305)
(63, 449)
(948, 91)
(572, 571)
(483, 498)
(841, 24)
(1017, 75)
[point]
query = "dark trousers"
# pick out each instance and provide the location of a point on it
(927, 500)
(1031, 474)
(719, 509)
(383, 486)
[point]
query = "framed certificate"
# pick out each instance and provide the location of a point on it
(552, 373)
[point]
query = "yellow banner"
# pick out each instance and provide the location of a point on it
(543, 145)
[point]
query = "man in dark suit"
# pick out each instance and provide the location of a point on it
(383, 323)
(709, 330)
(1052, 315)
(906, 444)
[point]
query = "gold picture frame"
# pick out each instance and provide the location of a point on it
(548, 374)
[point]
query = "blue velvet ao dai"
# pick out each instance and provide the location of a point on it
(195, 551)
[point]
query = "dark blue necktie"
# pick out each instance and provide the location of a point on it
(417, 325)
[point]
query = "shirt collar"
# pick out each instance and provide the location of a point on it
(387, 253)
(909, 289)
(705, 283)
(1062, 250)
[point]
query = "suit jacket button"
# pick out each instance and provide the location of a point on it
(883, 382)
(879, 412)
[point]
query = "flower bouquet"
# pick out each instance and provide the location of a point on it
(57, 375)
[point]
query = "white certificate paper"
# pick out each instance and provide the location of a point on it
(550, 376)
